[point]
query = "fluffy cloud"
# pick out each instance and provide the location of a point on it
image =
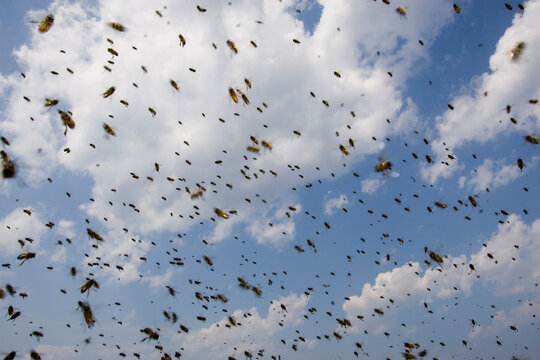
(332, 204)
(18, 225)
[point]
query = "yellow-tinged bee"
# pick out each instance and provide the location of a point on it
(117, 27)
(151, 334)
(87, 313)
(124, 102)
(253, 149)
(66, 120)
(343, 149)
(152, 111)
(245, 99)
(401, 11)
(267, 144)
(108, 92)
(88, 285)
(46, 23)
(182, 40)
(532, 139)
(256, 290)
(456, 8)
(109, 130)
(50, 102)
(436, 257)
(94, 235)
(248, 83)
(25, 256)
(196, 194)
(174, 84)
(383, 166)
(232, 46)
(233, 95)
(9, 168)
(473, 201)
(516, 53)
(440, 204)
(221, 213)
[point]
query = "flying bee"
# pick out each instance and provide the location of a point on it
(4, 141)
(10, 356)
(174, 84)
(117, 26)
(201, 9)
(88, 285)
(401, 11)
(45, 24)
(532, 139)
(233, 95)
(66, 120)
(152, 111)
(94, 235)
(297, 133)
(109, 130)
(343, 149)
(9, 168)
(245, 99)
(440, 204)
(87, 313)
(473, 201)
(516, 53)
(383, 166)
(151, 334)
(182, 40)
(379, 311)
(196, 194)
(520, 164)
(124, 102)
(256, 290)
(248, 83)
(456, 8)
(267, 144)
(108, 92)
(253, 149)
(34, 355)
(208, 260)
(221, 213)
(112, 52)
(232, 46)
(50, 102)
(25, 256)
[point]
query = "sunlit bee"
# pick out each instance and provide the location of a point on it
(174, 84)
(151, 334)
(9, 168)
(456, 8)
(254, 139)
(436, 257)
(25, 256)
(222, 214)
(208, 260)
(401, 11)
(532, 139)
(109, 130)
(520, 164)
(253, 149)
(383, 166)
(232, 46)
(351, 143)
(248, 83)
(196, 194)
(94, 235)
(440, 204)
(87, 313)
(267, 144)
(343, 149)
(66, 120)
(108, 92)
(117, 27)
(516, 53)
(233, 95)
(182, 40)
(88, 285)
(245, 99)
(46, 23)
(256, 290)
(50, 102)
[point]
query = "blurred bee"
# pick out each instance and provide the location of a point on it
(174, 84)
(401, 11)
(532, 139)
(208, 260)
(45, 24)
(9, 168)
(383, 166)
(151, 334)
(88, 285)
(253, 149)
(87, 313)
(124, 102)
(378, 311)
(4, 141)
(10, 356)
(267, 144)
(440, 204)
(298, 248)
(108, 92)
(516, 53)
(34, 355)
(25, 256)
(248, 83)
(296, 41)
(245, 99)
(221, 213)
(152, 111)
(112, 52)
(253, 43)
(66, 120)
(196, 194)
(232, 46)
(297, 133)
(520, 164)
(117, 27)
(256, 290)
(94, 235)
(233, 95)
(182, 40)
(343, 149)
(109, 130)
(201, 9)
(456, 8)
(50, 102)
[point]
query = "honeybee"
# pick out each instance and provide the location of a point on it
(253, 149)
(182, 40)
(50, 102)
(440, 204)
(221, 213)
(10, 356)
(233, 95)
(298, 248)
(245, 99)
(296, 41)
(379, 311)
(174, 84)
(109, 92)
(25, 256)
(267, 144)
(4, 140)
(94, 235)
(343, 150)
(196, 194)
(248, 83)
(109, 130)
(297, 133)
(9, 168)
(456, 8)
(520, 164)
(532, 139)
(117, 27)
(201, 9)
(152, 111)
(256, 290)
(208, 260)
(124, 102)
(152, 335)
(232, 46)
(383, 166)
(46, 23)
(87, 313)
(88, 285)
(112, 52)
(401, 11)
(516, 53)
(66, 120)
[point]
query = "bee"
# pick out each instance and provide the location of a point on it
(253, 149)
(325, 102)
(174, 84)
(245, 99)
(378, 311)
(401, 11)
(88, 285)
(201, 9)
(428, 159)
(296, 41)
(109, 130)
(66, 120)
(516, 53)
(4, 141)
(182, 40)
(208, 260)
(152, 111)
(233, 95)
(158, 13)
(112, 52)
(248, 83)
(337, 74)
(297, 133)
(440, 204)
(298, 248)
(25, 256)
(267, 144)
(221, 213)
(87, 313)
(108, 92)
(34, 355)
(456, 8)
(520, 164)
(50, 102)
(117, 27)
(196, 194)
(124, 102)
(46, 23)
(383, 166)
(256, 290)
(343, 149)
(9, 168)
(532, 139)
(151, 334)
(10, 356)
(232, 46)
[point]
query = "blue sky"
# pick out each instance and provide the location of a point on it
(318, 230)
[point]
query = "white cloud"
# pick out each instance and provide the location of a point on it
(18, 225)
(492, 175)
(277, 229)
(158, 281)
(333, 204)
(371, 184)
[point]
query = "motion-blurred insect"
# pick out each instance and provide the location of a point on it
(117, 26)
(109, 130)
(182, 40)
(222, 214)
(67, 121)
(50, 102)
(343, 149)
(152, 111)
(45, 24)
(516, 53)
(87, 313)
(25, 256)
(233, 95)
(201, 9)
(456, 8)
(520, 164)
(401, 11)
(9, 168)
(94, 235)
(267, 144)
(109, 92)
(88, 285)
(232, 46)
(151, 334)
(532, 139)
(383, 166)
(174, 84)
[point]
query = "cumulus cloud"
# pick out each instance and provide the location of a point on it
(18, 225)
(332, 204)
(371, 184)
(492, 175)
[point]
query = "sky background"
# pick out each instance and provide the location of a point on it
(345, 257)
